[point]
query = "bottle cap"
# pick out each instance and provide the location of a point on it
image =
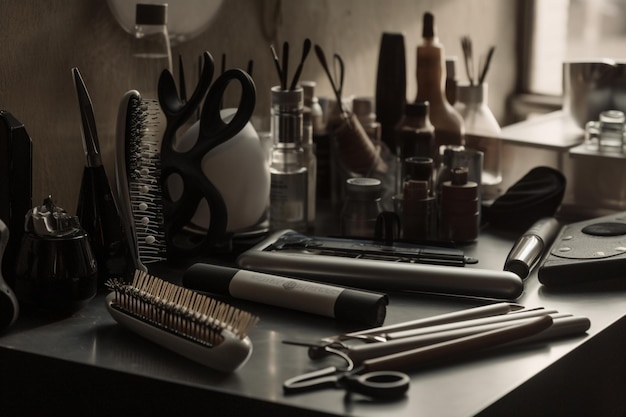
(151, 14)
(428, 30)
(364, 188)
(417, 109)
(418, 168)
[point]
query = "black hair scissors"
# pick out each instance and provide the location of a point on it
(187, 165)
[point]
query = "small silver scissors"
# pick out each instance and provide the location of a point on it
(387, 385)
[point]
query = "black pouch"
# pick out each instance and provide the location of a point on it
(537, 194)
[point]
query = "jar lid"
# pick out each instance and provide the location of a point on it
(364, 188)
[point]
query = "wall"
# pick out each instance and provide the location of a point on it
(43, 40)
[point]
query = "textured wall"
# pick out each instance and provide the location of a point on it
(43, 40)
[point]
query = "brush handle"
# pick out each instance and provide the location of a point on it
(227, 356)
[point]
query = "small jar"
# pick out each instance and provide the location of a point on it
(459, 208)
(608, 131)
(361, 208)
(419, 212)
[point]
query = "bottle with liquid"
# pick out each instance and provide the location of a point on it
(150, 49)
(414, 136)
(288, 169)
(431, 80)
(362, 206)
(482, 133)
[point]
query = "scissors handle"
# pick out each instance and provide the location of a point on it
(213, 130)
(378, 384)
(187, 165)
(178, 110)
(386, 385)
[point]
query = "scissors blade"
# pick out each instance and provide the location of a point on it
(90, 135)
(325, 377)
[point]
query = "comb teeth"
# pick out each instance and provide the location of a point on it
(179, 310)
(144, 133)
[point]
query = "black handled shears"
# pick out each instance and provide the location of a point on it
(187, 164)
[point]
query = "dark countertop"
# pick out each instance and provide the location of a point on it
(87, 364)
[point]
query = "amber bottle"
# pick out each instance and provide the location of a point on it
(431, 79)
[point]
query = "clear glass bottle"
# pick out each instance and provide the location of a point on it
(150, 49)
(482, 133)
(414, 136)
(431, 80)
(288, 170)
(361, 208)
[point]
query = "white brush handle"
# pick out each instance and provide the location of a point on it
(228, 356)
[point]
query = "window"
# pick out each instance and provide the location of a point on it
(574, 30)
(555, 31)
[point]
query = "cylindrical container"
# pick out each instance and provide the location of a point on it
(459, 208)
(414, 136)
(390, 85)
(56, 268)
(607, 132)
(482, 133)
(361, 208)
(419, 168)
(288, 169)
(453, 157)
(419, 212)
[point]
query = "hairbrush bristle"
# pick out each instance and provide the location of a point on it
(179, 310)
(144, 131)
